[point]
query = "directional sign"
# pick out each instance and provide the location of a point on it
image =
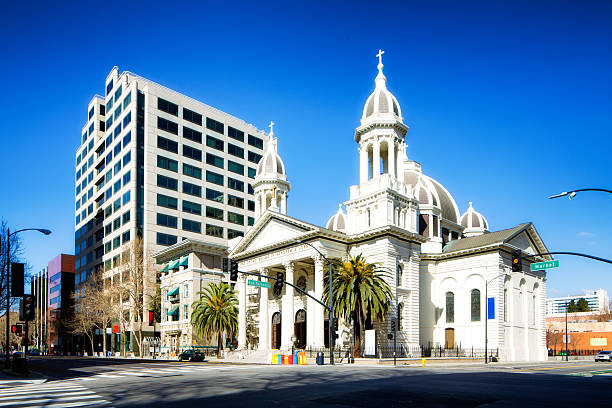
(259, 284)
(538, 266)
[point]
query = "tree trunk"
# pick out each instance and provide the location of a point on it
(356, 334)
(219, 345)
(104, 341)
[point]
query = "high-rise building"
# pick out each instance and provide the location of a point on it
(598, 301)
(159, 164)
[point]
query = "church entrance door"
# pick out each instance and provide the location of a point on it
(449, 338)
(300, 329)
(276, 331)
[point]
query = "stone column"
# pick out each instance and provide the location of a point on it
(288, 313)
(264, 319)
(283, 208)
(391, 158)
(242, 307)
(376, 160)
(363, 164)
(318, 315)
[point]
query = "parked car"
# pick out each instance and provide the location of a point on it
(191, 355)
(605, 355)
(34, 352)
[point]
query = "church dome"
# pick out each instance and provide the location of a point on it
(337, 222)
(381, 104)
(474, 222)
(271, 165)
(430, 192)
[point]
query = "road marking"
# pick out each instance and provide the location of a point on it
(556, 368)
(52, 394)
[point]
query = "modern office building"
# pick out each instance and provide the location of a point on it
(598, 301)
(159, 164)
(52, 288)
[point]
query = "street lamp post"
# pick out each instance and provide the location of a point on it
(572, 193)
(8, 287)
(487, 314)
(566, 336)
(331, 304)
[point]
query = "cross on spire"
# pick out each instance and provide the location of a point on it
(271, 128)
(379, 55)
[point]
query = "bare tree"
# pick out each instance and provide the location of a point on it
(138, 274)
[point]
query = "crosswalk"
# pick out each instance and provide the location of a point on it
(156, 371)
(51, 394)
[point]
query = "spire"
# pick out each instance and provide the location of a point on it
(271, 129)
(272, 143)
(381, 80)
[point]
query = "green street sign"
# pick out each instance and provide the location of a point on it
(538, 266)
(259, 284)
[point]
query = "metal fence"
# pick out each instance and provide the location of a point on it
(571, 352)
(405, 351)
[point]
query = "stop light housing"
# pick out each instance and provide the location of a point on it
(392, 325)
(27, 309)
(17, 273)
(278, 285)
(16, 329)
(516, 261)
(233, 271)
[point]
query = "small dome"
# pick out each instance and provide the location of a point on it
(337, 222)
(474, 222)
(381, 104)
(271, 165)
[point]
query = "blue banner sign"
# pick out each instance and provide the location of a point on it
(491, 308)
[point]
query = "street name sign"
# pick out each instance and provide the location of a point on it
(259, 284)
(538, 266)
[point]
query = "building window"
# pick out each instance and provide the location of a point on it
(255, 142)
(450, 307)
(192, 116)
(250, 221)
(475, 305)
(192, 153)
(216, 213)
(167, 144)
(192, 208)
(235, 184)
(235, 150)
(166, 163)
(505, 304)
(233, 233)
(192, 226)
(235, 201)
(167, 125)
(235, 134)
(251, 205)
(400, 275)
(235, 167)
(167, 182)
(192, 189)
(192, 171)
(214, 125)
(186, 291)
(251, 173)
(166, 201)
(214, 195)
(191, 134)
(167, 106)
(214, 231)
(214, 178)
(400, 315)
(235, 218)
(165, 239)
(215, 143)
(214, 160)
(166, 220)
(253, 157)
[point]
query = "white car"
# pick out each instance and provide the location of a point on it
(605, 355)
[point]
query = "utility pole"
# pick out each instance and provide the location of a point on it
(566, 336)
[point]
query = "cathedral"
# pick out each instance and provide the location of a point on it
(450, 274)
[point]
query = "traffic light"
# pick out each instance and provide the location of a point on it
(225, 265)
(278, 285)
(234, 271)
(26, 311)
(16, 329)
(516, 261)
(17, 271)
(393, 325)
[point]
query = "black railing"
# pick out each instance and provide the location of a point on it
(571, 352)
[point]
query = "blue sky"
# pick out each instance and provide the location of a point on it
(507, 102)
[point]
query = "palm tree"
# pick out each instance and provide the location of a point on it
(360, 291)
(215, 313)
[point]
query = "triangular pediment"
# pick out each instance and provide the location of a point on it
(273, 229)
(528, 240)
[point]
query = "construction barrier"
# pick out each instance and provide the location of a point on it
(299, 358)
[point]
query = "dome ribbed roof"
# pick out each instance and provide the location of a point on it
(474, 222)
(337, 222)
(271, 165)
(381, 104)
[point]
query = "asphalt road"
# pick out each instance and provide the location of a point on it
(129, 383)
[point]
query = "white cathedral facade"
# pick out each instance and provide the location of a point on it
(447, 270)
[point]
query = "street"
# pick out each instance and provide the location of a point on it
(131, 383)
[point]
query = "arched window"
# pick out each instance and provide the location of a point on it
(475, 305)
(400, 313)
(369, 217)
(400, 275)
(505, 304)
(450, 307)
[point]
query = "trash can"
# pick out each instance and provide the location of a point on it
(320, 358)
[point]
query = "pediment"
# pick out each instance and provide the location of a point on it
(524, 242)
